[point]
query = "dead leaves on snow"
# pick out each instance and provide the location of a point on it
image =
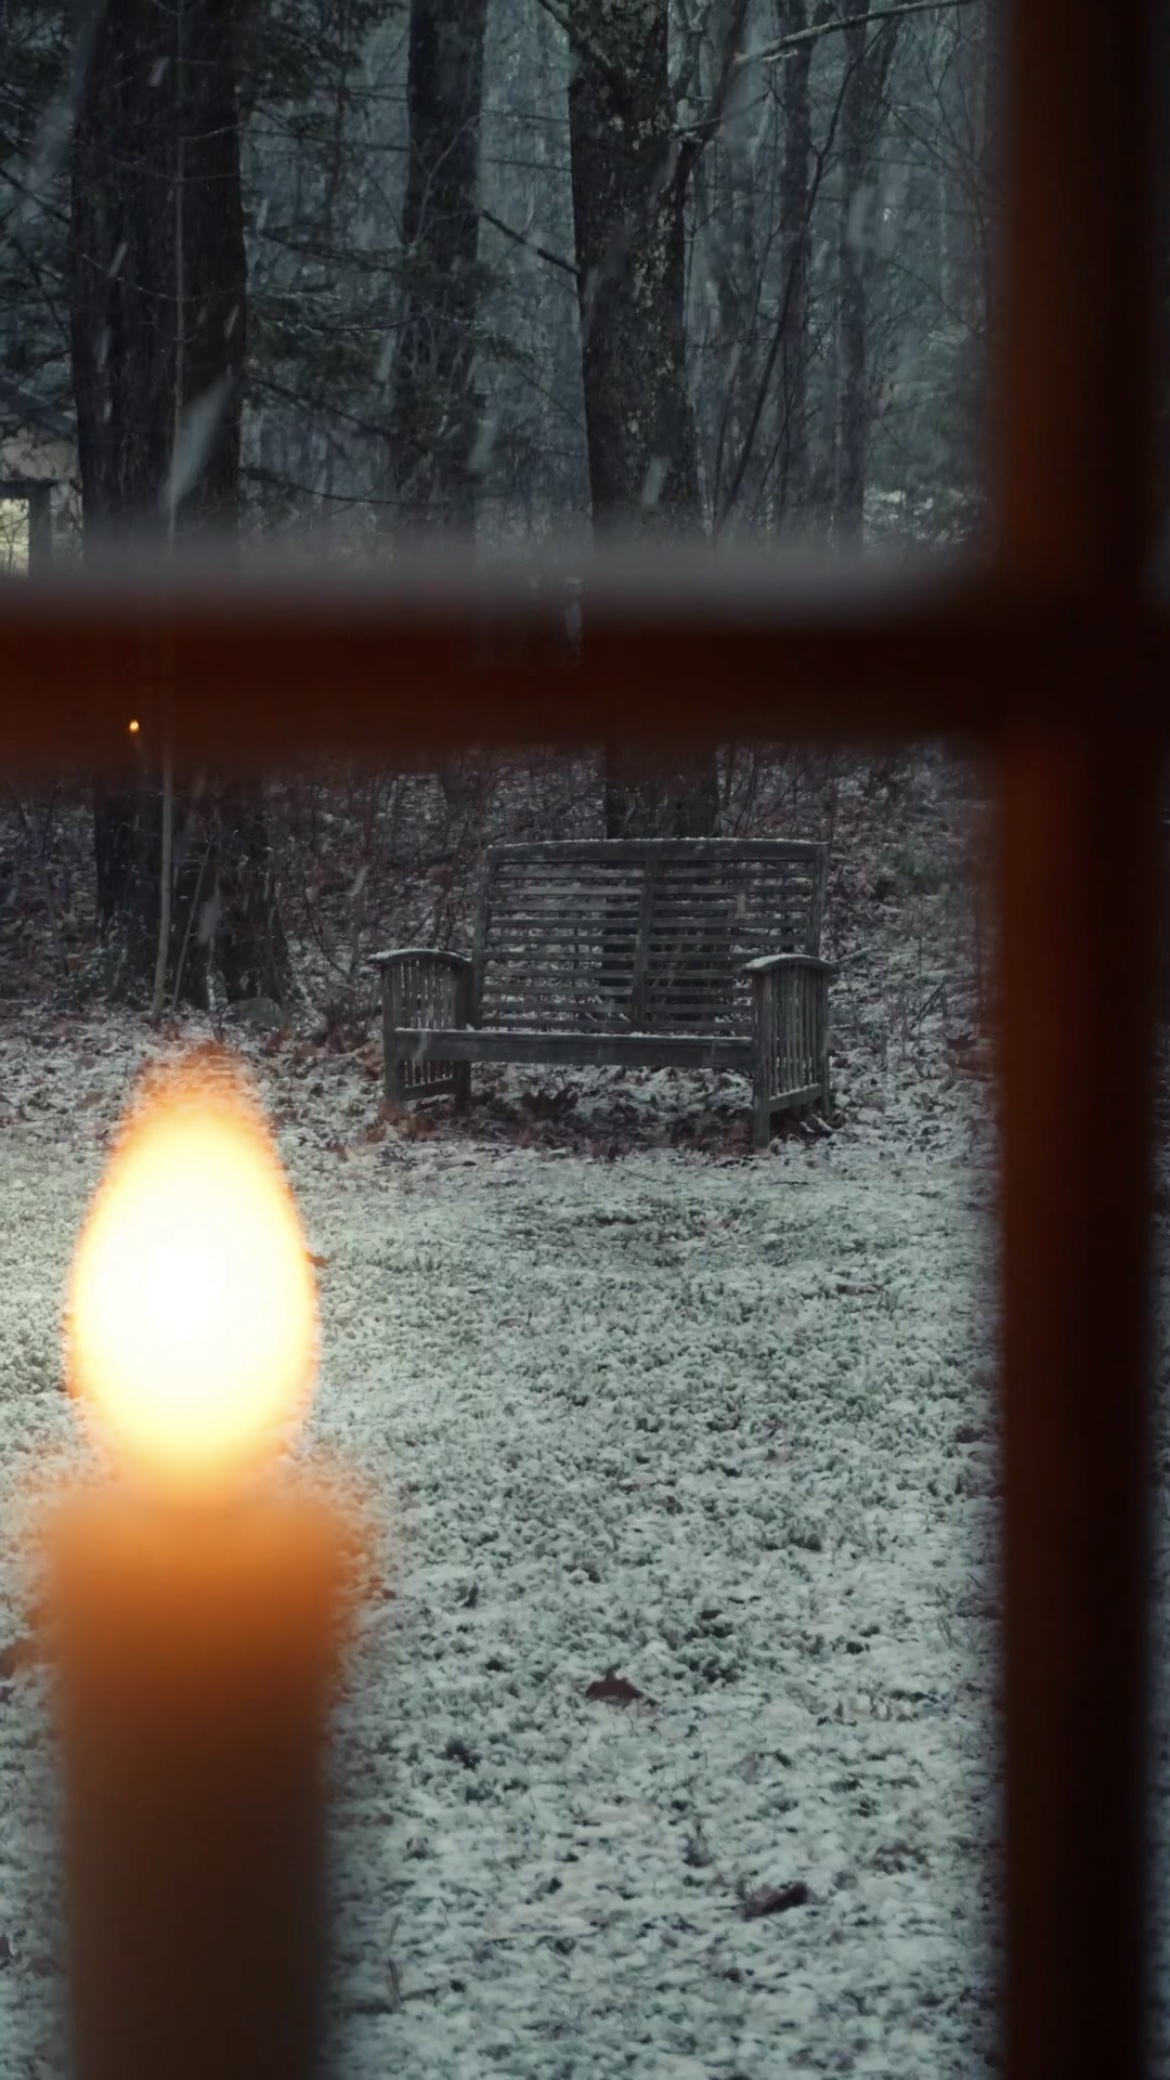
(614, 1689)
(774, 1899)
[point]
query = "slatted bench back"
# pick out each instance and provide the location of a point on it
(640, 935)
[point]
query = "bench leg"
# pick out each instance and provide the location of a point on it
(822, 1014)
(393, 1075)
(761, 1121)
(393, 1061)
(462, 1070)
(764, 1059)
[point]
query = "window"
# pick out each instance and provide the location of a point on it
(1053, 654)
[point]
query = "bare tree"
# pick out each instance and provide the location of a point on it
(792, 461)
(435, 413)
(157, 282)
(631, 260)
(631, 176)
(867, 60)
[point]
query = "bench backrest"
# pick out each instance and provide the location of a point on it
(645, 935)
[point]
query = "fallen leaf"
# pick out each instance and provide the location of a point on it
(614, 1689)
(459, 1750)
(416, 1126)
(772, 1899)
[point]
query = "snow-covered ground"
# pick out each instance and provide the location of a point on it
(719, 1423)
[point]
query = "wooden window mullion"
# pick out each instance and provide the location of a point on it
(1074, 458)
(1080, 867)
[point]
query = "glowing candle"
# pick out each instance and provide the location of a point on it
(195, 1598)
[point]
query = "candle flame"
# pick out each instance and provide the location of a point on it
(192, 1314)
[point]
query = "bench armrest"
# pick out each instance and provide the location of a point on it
(771, 963)
(459, 962)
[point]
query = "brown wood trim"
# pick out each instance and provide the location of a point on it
(272, 676)
(1080, 879)
(1074, 446)
(1073, 491)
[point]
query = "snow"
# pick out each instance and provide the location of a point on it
(720, 1423)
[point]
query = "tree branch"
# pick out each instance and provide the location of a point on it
(691, 37)
(696, 135)
(531, 245)
(318, 407)
(776, 51)
(822, 157)
(554, 14)
(583, 40)
(37, 410)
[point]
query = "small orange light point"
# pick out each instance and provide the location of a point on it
(134, 729)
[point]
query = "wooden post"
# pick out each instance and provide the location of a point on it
(763, 1057)
(461, 1071)
(639, 991)
(824, 1072)
(393, 1065)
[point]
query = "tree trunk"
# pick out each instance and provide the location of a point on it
(434, 410)
(157, 270)
(649, 797)
(157, 291)
(792, 463)
(243, 935)
(726, 261)
(867, 68)
(629, 221)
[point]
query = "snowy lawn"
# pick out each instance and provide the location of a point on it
(723, 1427)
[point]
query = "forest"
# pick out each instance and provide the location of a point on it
(515, 275)
(503, 269)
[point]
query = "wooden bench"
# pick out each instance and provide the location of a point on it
(697, 953)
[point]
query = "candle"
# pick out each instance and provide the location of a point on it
(195, 1599)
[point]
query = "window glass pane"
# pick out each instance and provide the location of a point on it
(717, 268)
(668, 1735)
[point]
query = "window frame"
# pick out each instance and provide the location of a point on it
(1050, 652)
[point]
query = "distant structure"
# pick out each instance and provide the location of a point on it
(38, 470)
